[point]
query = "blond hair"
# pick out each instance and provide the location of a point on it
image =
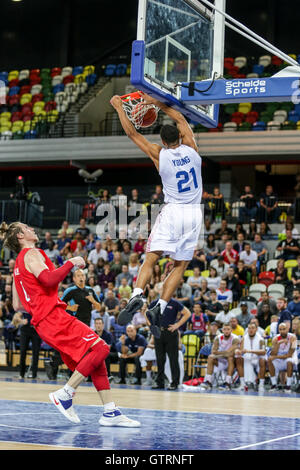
(9, 234)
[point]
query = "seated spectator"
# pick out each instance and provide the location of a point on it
(229, 255)
(265, 298)
(237, 329)
(126, 252)
(140, 245)
(264, 315)
(195, 281)
(224, 294)
(77, 238)
(281, 274)
(158, 196)
(80, 250)
(139, 321)
(66, 228)
(97, 253)
(213, 280)
(210, 248)
(202, 294)
(52, 252)
(116, 264)
(249, 210)
(250, 258)
(285, 345)
(239, 246)
(104, 315)
(91, 242)
(183, 294)
(294, 305)
(223, 229)
(244, 317)
(47, 239)
(92, 282)
(268, 210)
(296, 327)
(115, 329)
(107, 337)
(111, 303)
(207, 228)
(132, 348)
(197, 322)
(224, 317)
(125, 274)
(212, 307)
(252, 230)
(133, 265)
(265, 231)
(233, 283)
(218, 204)
(288, 248)
(284, 314)
(211, 333)
(271, 330)
(295, 278)
(105, 277)
(238, 229)
(291, 226)
(63, 242)
(199, 260)
(221, 244)
(83, 229)
(260, 248)
(124, 290)
(221, 267)
(156, 275)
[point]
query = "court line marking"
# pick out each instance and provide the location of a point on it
(47, 445)
(266, 442)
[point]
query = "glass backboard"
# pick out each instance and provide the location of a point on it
(178, 41)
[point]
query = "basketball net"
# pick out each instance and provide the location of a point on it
(136, 110)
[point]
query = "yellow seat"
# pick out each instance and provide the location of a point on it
(6, 115)
(52, 116)
(289, 265)
(13, 74)
(38, 105)
(205, 273)
(28, 125)
(40, 115)
(17, 125)
(298, 125)
(89, 69)
(188, 272)
(244, 108)
(26, 98)
(5, 126)
(79, 78)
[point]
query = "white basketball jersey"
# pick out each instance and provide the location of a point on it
(180, 172)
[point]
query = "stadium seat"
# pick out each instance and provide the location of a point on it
(280, 115)
(252, 75)
(240, 62)
(276, 290)
(32, 134)
(89, 69)
(245, 108)
(259, 69)
(24, 74)
(16, 116)
(28, 117)
(265, 60)
(237, 117)
(271, 264)
(267, 278)
(55, 71)
(56, 80)
(91, 79)
(293, 116)
(121, 70)
(77, 70)
(230, 127)
(26, 98)
(66, 71)
(265, 116)
(273, 126)
(251, 116)
(17, 135)
(276, 61)
(5, 134)
(289, 265)
(255, 290)
(36, 89)
(14, 90)
(68, 79)
(58, 88)
(52, 115)
(259, 126)
(110, 70)
(13, 74)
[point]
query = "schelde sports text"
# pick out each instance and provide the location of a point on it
(245, 87)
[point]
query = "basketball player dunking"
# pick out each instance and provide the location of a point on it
(35, 290)
(177, 227)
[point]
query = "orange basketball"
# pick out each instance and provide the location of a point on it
(149, 117)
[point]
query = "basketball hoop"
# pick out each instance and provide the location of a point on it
(140, 114)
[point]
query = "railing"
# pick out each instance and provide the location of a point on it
(23, 211)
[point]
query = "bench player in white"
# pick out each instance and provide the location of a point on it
(283, 357)
(221, 358)
(177, 227)
(251, 358)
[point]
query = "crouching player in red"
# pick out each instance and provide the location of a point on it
(35, 290)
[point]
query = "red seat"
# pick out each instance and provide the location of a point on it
(25, 89)
(267, 278)
(14, 82)
(11, 100)
(28, 116)
(16, 116)
(252, 117)
(68, 79)
(35, 80)
(228, 62)
(50, 105)
(37, 97)
(237, 117)
(34, 72)
(26, 108)
(276, 60)
(55, 71)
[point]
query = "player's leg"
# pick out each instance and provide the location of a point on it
(289, 373)
(240, 365)
(211, 363)
(262, 373)
(136, 300)
(274, 369)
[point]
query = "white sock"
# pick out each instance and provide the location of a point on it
(163, 304)
(289, 381)
(273, 380)
(228, 379)
(262, 381)
(207, 378)
(148, 374)
(242, 380)
(109, 406)
(136, 291)
(66, 392)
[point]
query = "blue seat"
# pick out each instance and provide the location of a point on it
(110, 70)
(206, 350)
(293, 116)
(121, 70)
(77, 70)
(258, 69)
(298, 59)
(58, 88)
(30, 134)
(259, 126)
(3, 75)
(14, 90)
(91, 79)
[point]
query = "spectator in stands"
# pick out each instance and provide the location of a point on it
(92, 282)
(229, 255)
(239, 246)
(77, 238)
(296, 327)
(271, 330)
(2, 284)
(213, 306)
(261, 249)
(29, 335)
(119, 200)
(252, 230)
(111, 303)
(238, 229)
(91, 242)
(213, 280)
(265, 231)
(266, 299)
(158, 196)
(115, 329)
(224, 317)
(194, 281)
(132, 347)
(210, 248)
(183, 294)
(264, 315)
(221, 244)
(294, 305)
(124, 274)
(97, 253)
(80, 250)
(65, 228)
(244, 317)
(221, 267)
(140, 245)
(268, 211)
(116, 264)
(284, 314)
(281, 274)
(295, 278)
(133, 265)
(83, 229)
(126, 252)
(134, 200)
(218, 204)
(237, 329)
(107, 337)
(197, 322)
(139, 321)
(122, 238)
(202, 294)
(291, 226)
(198, 260)
(250, 258)
(63, 242)
(288, 248)
(223, 229)
(211, 333)
(52, 252)
(207, 227)
(105, 277)
(249, 211)
(47, 239)
(124, 290)
(233, 283)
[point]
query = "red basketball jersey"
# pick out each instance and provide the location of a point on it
(37, 299)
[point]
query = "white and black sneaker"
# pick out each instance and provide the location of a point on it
(206, 385)
(154, 316)
(134, 304)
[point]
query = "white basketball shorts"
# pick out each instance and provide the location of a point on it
(176, 231)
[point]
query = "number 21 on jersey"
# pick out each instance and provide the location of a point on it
(183, 177)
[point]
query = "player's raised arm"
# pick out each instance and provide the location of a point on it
(186, 133)
(152, 150)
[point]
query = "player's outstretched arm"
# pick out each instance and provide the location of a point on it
(186, 133)
(152, 150)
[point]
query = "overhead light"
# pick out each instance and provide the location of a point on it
(17, 0)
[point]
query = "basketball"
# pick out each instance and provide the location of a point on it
(149, 117)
